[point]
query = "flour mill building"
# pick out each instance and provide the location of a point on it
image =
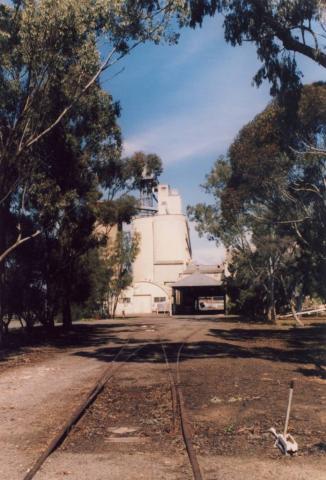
(164, 277)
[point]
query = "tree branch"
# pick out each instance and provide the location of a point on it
(17, 243)
(69, 107)
(284, 35)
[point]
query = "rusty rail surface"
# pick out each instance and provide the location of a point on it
(80, 410)
(178, 407)
(177, 397)
(174, 396)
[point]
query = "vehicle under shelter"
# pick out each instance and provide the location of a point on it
(198, 293)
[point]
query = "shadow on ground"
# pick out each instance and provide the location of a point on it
(81, 335)
(300, 346)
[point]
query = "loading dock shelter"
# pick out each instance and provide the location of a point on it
(198, 294)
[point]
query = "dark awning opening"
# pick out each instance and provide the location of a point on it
(198, 293)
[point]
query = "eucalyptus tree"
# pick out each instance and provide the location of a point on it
(117, 259)
(120, 177)
(62, 204)
(279, 29)
(59, 44)
(52, 55)
(269, 201)
(73, 262)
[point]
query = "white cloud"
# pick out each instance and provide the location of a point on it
(181, 137)
(204, 129)
(204, 96)
(190, 45)
(208, 110)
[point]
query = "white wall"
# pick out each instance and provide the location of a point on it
(143, 267)
(170, 236)
(142, 296)
(164, 252)
(169, 200)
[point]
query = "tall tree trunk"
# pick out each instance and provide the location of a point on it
(2, 272)
(294, 313)
(115, 304)
(48, 312)
(49, 321)
(1, 308)
(68, 280)
(271, 313)
(293, 302)
(1, 332)
(66, 314)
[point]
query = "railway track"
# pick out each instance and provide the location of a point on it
(179, 412)
(179, 402)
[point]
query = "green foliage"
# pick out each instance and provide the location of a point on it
(269, 206)
(60, 144)
(278, 28)
(49, 75)
(122, 175)
(115, 273)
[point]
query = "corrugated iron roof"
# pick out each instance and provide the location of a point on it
(197, 280)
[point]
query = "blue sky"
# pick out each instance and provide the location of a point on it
(186, 103)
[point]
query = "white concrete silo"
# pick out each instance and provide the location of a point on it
(164, 240)
(164, 252)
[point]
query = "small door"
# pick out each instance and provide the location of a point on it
(142, 304)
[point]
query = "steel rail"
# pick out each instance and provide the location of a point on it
(174, 396)
(185, 422)
(80, 410)
(109, 372)
(184, 419)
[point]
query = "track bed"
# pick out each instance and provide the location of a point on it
(234, 378)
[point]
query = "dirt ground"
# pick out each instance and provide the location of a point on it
(235, 379)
